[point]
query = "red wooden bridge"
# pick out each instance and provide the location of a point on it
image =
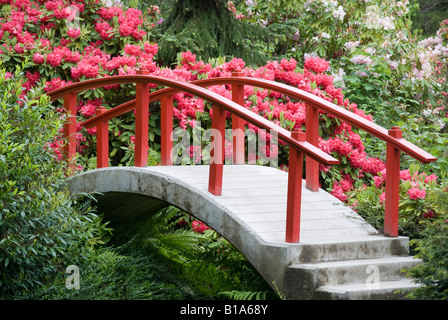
(222, 190)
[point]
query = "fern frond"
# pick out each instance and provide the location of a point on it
(244, 295)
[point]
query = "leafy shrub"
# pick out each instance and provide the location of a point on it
(432, 248)
(41, 227)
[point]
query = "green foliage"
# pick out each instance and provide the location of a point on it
(432, 248)
(206, 264)
(208, 29)
(431, 13)
(40, 225)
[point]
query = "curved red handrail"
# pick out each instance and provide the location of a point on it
(228, 105)
(393, 138)
(327, 106)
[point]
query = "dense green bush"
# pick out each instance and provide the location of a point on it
(41, 227)
(432, 248)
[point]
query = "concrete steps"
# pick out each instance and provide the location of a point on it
(384, 290)
(355, 270)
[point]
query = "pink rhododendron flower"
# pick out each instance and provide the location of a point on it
(88, 110)
(416, 193)
(288, 65)
(383, 198)
(150, 48)
(199, 226)
(73, 33)
(132, 50)
(38, 58)
(338, 192)
(54, 59)
(316, 64)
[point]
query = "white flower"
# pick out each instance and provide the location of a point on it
(440, 123)
(325, 35)
(361, 59)
(351, 45)
(372, 17)
(339, 77)
(426, 112)
(340, 13)
(387, 23)
(393, 64)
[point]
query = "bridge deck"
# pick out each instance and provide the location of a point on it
(257, 195)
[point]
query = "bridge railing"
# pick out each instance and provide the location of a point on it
(300, 143)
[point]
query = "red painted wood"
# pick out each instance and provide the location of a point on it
(166, 130)
(70, 128)
(392, 186)
(294, 197)
(296, 93)
(102, 141)
(212, 97)
(312, 136)
(238, 150)
(217, 151)
(141, 121)
(298, 148)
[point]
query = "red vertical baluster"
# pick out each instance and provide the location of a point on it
(237, 122)
(217, 151)
(392, 186)
(312, 136)
(102, 141)
(294, 190)
(70, 129)
(141, 121)
(166, 129)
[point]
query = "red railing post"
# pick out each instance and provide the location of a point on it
(102, 141)
(70, 129)
(238, 152)
(217, 151)
(141, 121)
(166, 129)
(312, 136)
(294, 197)
(392, 186)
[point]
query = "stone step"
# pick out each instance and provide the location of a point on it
(376, 246)
(363, 271)
(384, 290)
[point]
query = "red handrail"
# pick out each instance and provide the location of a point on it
(301, 143)
(296, 140)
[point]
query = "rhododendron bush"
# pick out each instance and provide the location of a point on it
(57, 50)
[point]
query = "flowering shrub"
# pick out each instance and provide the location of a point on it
(373, 53)
(381, 65)
(114, 40)
(414, 207)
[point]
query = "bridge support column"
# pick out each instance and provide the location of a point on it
(392, 186)
(217, 151)
(238, 152)
(166, 130)
(294, 197)
(312, 136)
(141, 121)
(102, 141)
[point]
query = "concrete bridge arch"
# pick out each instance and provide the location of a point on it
(247, 218)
